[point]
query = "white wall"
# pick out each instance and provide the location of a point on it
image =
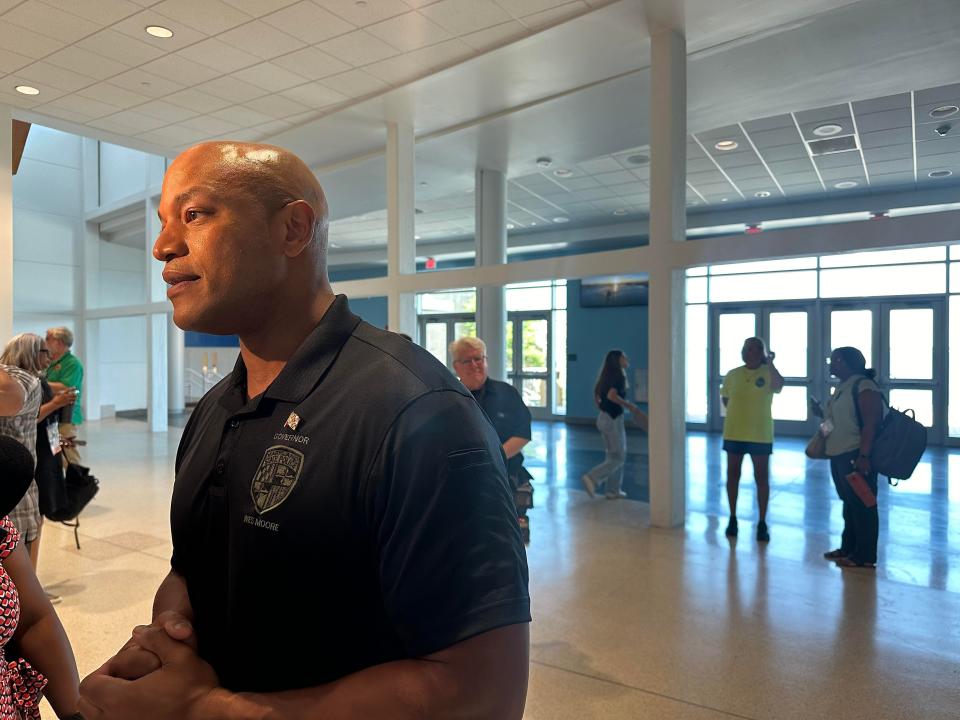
(47, 227)
(123, 363)
(123, 172)
(121, 279)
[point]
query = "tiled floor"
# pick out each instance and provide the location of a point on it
(630, 622)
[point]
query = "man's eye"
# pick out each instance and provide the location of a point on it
(191, 215)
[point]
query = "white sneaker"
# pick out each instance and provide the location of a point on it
(589, 485)
(618, 495)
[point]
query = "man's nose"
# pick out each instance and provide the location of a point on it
(168, 245)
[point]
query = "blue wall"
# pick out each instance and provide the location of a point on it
(591, 332)
(372, 309)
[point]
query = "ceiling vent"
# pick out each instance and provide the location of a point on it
(829, 146)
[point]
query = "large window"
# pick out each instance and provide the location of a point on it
(843, 280)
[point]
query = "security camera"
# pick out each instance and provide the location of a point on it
(942, 130)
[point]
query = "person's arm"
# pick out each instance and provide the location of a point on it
(871, 409)
(514, 445)
(481, 678)
(776, 379)
(11, 395)
(40, 636)
(614, 397)
(59, 400)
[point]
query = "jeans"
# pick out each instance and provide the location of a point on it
(615, 445)
(861, 525)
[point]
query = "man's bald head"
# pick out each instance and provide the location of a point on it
(269, 175)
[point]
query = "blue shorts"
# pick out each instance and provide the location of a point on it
(739, 447)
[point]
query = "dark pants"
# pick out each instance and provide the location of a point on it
(861, 525)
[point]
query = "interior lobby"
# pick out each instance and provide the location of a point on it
(559, 178)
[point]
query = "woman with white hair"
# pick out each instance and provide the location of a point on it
(26, 358)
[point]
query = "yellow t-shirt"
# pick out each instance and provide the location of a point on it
(749, 396)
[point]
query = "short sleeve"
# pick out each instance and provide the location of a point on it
(439, 512)
(520, 419)
(724, 387)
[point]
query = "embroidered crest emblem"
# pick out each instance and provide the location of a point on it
(276, 477)
(292, 421)
(761, 382)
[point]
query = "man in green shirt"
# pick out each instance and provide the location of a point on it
(65, 371)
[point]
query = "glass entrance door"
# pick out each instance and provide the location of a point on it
(902, 341)
(788, 330)
(529, 347)
(438, 331)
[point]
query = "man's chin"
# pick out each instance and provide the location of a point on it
(191, 321)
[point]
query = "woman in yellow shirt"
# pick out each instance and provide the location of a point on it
(747, 394)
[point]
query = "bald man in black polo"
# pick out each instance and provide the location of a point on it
(344, 542)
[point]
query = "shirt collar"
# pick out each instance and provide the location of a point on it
(312, 359)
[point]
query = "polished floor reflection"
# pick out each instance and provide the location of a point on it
(629, 622)
(919, 518)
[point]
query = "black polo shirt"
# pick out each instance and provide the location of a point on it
(510, 417)
(375, 523)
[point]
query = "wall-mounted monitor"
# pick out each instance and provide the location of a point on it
(614, 291)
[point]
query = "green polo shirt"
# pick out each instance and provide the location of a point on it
(69, 371)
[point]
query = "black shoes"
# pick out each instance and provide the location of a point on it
(763, 535)
(732, 528)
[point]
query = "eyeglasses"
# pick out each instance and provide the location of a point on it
(478, 360)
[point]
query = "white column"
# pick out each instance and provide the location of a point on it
(401, 245)
(157, 355)
(668, 112)
(157, 372)
(91, 399)
(491, 240)
(176, 352)
(6, 224)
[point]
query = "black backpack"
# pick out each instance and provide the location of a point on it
(900, 440)
(78, 489)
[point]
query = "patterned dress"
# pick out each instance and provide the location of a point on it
(21, 687)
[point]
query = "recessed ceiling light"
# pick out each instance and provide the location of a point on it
(762, 194)
(159, 31)
(334, 245)
(510, 226)
(544, 162)
(27, 90)
(534, 222)
(620, 211)
(846, 184)
(563, 172)
(561, 219)
(424, 183)
(416, 237)
(827, 130)
(724, 199)
(727, 145)
(944, 111)
(638, 159)
(939, 173)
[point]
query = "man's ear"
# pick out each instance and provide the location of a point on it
(298, 221)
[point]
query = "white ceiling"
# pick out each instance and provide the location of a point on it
(496, 84)
(244, 68)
